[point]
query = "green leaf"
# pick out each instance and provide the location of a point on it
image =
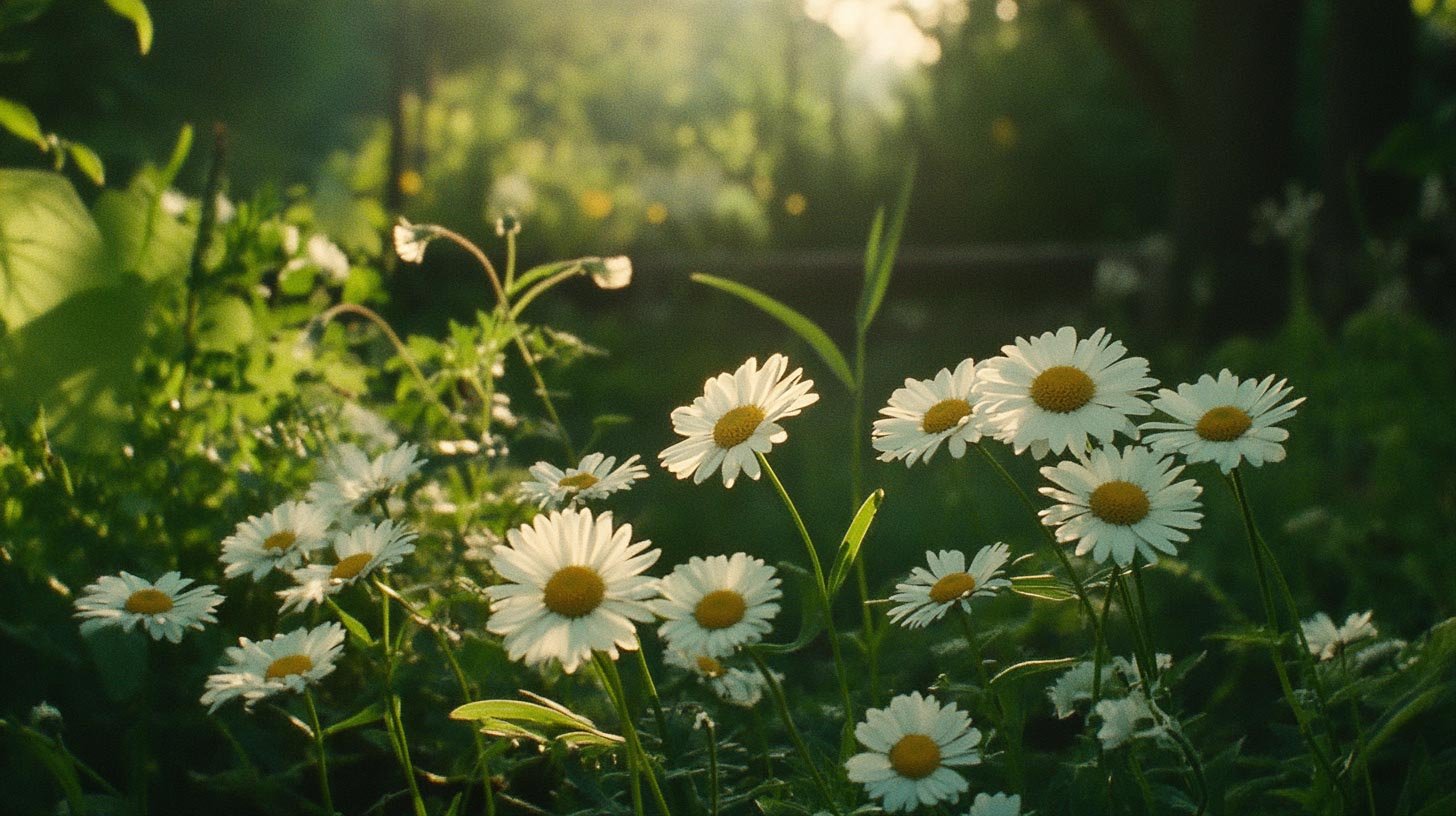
(55, 759)
(1028, 668)
(854, 538)
(50, 247)
(801, 325)
(880, 253)
(537, 273)
(1045, 587)
(18, 119)
(812, 618)
(137, 237)
(351, 623)
(520, 711)
(372, 713)
(87, 162)
(180, 150)
(136, 12)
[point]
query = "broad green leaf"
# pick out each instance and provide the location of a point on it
(595, 739)
(880, 254)
(18, 119)
(520, 711)
(1044, 587)
(136, 236)
(854, 538)
(50, 247)
(801, 325)
(351, 623)
(136, 12)
(87, 162)
(57, 761)
(1027, 668)
(372, 713)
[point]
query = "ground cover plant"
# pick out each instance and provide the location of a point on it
(268, 546)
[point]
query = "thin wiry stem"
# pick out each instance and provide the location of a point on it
(776, 691)
(323, 756)
(629, 730)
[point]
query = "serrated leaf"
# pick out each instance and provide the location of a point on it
(880, 251)
(853, 540)
(87, 162)
(136, 12)
(1028, 668)
(795, 321)
(18, 119)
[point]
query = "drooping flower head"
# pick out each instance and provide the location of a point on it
(280, 539)
(574, 585)
(925, 413)
(165, 609)
(1054, 393)
(592, 478)
(1120, 503)
(353, 478)
(736, 418)
(948, 582)
(358, 553)
(712, 606)
(255, 670)
(410, 240)
(914, 744)
(1224, 420)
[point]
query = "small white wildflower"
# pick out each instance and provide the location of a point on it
(410, 240)
(1326, 640)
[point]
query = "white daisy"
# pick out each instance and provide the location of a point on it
(1053, 393)
(925, 413)
(165, 609)
(1075, 686)
(592, 478)
(280, 539)
(258, 669)
(327, 257)
(1326, 640)
(736, 417)
(711, 606)
(410, 240)
(1126, 719)
(353, 478)
(359, 553)
(610, 273)
(733, 685)
(574, 585)
(1000, 804)
(913, 744)
(948, 581)
(1226, 421)
(1121, 503)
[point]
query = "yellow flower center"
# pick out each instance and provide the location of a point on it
(736, 426)
(915, 756)
(1223, 424)
(1119, 502)
(952, 586)
(574, 591)
(149, 602)
(288, 665)
(281, 540)
(710, 667)
(351, 566)
(945, 415)
(1062, 389)
(720, 609)
(578, 481)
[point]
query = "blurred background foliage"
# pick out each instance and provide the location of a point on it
(1094, 162)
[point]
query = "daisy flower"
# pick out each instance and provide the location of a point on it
(1326, 640)
(711, 606)
(1075, 686)
(736, 418)
(931, 592)
(1127, 719)
(913, 745)
(280, 539)
(1053, 393)
(359, 552)
(926, 413)
(592, 478)
(353, 478)
(165, 609)
(733, 685)
(258, 669)
(1000, 804)
(410, 240)
(574, 585)
(1121, 503)
(1226, 421)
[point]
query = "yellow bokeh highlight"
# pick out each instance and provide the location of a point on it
(595, 204)
(795, 204)
(1004, 132)
(411, 183)
(763, 187)
(656, 212)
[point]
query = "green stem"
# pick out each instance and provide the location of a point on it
(776, 691)
(1190, 755)
(713, 785)
(820, 585)
(1139, 637)
(636, 754)
(392, 720)
(323, 757)
(1147, 617)
(651, 688)
(1100, 648)
(856, 490)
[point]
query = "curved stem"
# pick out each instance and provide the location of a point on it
(323, 757)
(629, 730)
(776, 691)
(393, 722)
(651, 688)
(821, 586)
